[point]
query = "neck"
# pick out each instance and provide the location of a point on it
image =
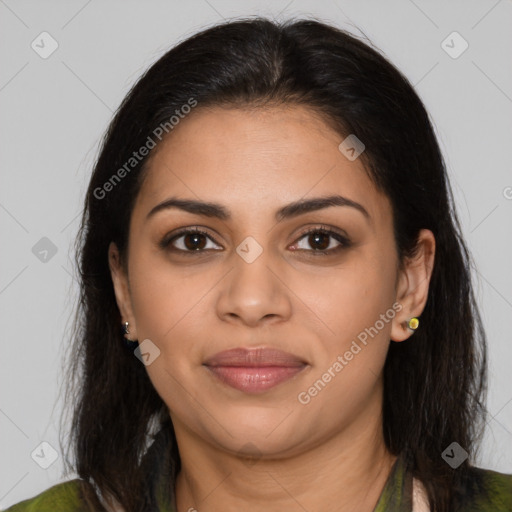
(349, 470)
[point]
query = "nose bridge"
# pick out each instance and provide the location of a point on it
(254, 291)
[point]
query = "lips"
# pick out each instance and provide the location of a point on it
(254, 370)
(254, 357)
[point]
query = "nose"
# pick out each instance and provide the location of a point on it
(255, 293)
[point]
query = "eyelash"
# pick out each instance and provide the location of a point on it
(343, 240)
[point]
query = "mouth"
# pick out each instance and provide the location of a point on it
(254, 370)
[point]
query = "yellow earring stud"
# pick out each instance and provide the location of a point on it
(413, 323)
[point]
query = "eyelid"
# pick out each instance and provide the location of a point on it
(341, 237)
(326, 229)
(168, 239)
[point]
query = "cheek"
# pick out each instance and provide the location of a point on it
(168, 309)
(163, 295)
(173, 309)
(351, 297)
(156, 303)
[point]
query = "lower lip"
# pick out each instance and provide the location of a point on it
(254, 379)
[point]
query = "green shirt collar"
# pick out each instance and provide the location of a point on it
(397, 492)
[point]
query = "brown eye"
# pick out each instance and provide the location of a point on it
(194, 241)
(322, 241)
(188, 241)
(319, 240)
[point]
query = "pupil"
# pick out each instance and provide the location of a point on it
(315, 238)
(193, 245)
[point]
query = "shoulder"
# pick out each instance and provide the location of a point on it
(63, 497)
(487, 490)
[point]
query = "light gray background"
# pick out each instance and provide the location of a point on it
(55, 110)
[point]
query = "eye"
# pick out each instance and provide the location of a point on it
(324, 241)
(193, 241)
(188, 241)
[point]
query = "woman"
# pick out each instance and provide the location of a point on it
(271, 223)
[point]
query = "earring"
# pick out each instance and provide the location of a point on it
(127, 342)
(413, 323)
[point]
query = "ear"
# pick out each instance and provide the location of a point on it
(121, 289)
(413, 284)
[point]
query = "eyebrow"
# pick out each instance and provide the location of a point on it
(289, 211)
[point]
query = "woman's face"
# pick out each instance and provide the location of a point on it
(256, 279)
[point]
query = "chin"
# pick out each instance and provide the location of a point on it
(268, 433)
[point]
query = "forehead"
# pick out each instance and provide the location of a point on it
(257, 158)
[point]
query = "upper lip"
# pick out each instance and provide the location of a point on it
(254, 357)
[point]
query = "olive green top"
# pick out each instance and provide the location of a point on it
(486, 491)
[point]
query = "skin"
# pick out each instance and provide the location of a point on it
(253, 162)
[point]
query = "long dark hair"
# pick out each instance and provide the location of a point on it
(434, 384)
